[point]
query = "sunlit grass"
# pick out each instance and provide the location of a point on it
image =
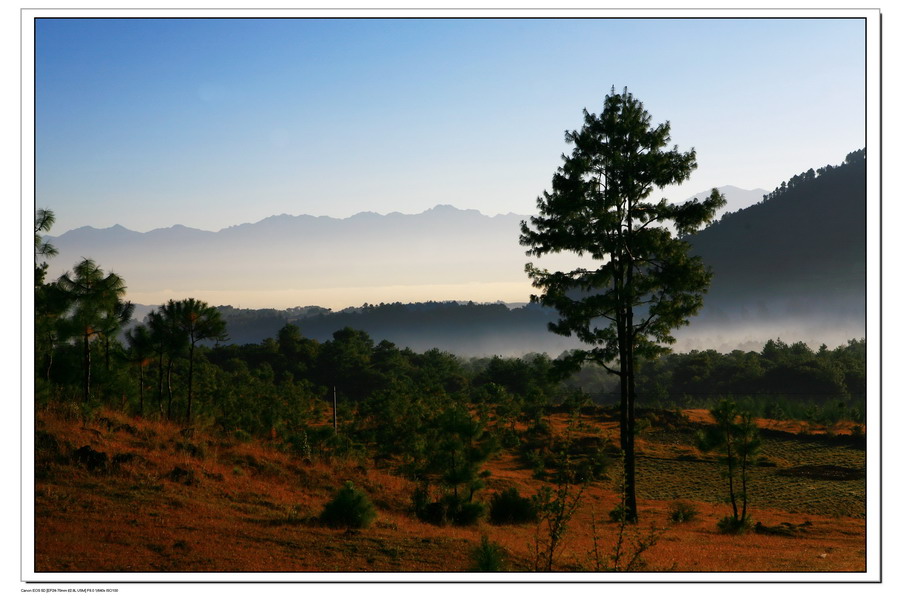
(199, 501)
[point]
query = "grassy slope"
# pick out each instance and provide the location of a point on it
(202, 504)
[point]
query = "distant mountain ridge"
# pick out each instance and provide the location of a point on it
(791, 267)
(442, 246)
(285, 252)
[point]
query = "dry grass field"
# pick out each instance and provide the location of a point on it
(168, 500)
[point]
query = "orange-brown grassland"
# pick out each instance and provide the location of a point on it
(164, 499)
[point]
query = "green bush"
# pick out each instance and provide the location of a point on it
(488, 557)
(619, 514)
(682, 512)
(434, 513)
(467, 513)
(350, 508)
(734, 526)
(447, 511)
(508, 507)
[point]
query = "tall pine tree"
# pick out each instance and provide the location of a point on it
(640, 283)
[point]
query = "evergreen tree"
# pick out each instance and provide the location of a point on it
(196, 321)
(642, 283)
(140, 346)
(43, 221)
(736, 439)
(51, 303)
(96, 297)
(167, 344)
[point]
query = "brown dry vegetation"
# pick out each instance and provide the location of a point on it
(187, 501)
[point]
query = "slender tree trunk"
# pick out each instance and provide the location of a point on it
(623, 416)
(169, 389)
(190, 384)
(86, 363)
(141, 388)
(159, 383)
(630, 479)
(626, 340)
(729, 447)
(743, 488)
(49, 358)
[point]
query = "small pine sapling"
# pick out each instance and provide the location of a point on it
(736, 440)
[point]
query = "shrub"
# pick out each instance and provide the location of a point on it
(593, 467)
(509, 439)
(447, 510)
(617, 515)
(350, 508)
(467, 513)
(434, 513)
(682, 512)
(488, 557)
(733, 525)
(508, 507)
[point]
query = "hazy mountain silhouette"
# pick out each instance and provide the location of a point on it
(790, 267)
(442, 245)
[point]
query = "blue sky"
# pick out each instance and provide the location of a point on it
(215, 122)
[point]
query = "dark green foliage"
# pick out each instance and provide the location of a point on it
(97, 312)
(447, 510)
(734, 525)
(509, 508)
(783, 381)
(682, 512)
(488, 557)
(736, 439)
(43, 222)
(47, 452)
(822, 258)
(187, 323)
(641, 282)
(618, 513)
(350, 508)
(465, 513)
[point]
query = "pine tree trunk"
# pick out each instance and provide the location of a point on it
(169, 390)
(141, 389)
(159, 383)
(190, 385)
(49, 361)
(630, 479)
(86, 376)
(743, 488)
(730, 457)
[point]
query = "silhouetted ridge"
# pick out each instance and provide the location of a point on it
(806, 237)
(461, 328)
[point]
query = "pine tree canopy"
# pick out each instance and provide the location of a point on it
(640, 280)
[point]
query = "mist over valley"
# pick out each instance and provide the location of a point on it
(792, 267)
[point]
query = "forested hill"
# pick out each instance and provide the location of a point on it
(808, 237)
(466, 329)
(793, 266)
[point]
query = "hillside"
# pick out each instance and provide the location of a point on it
(166, 500)
(465, 329)
(793, 266)
(807, 240)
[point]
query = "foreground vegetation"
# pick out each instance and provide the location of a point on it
(169, 499)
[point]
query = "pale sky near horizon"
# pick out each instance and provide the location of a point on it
(210, 123)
